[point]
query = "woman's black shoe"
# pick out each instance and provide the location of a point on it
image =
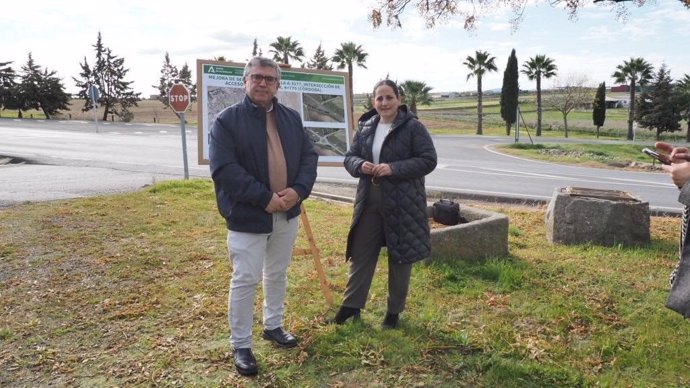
(343, 314)
(390, 321)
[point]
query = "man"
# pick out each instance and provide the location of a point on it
(263, 165)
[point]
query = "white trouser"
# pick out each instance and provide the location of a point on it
(253, 255)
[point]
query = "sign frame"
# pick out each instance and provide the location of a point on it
(220, 81)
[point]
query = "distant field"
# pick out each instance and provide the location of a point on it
(446, 116)
(146, 112)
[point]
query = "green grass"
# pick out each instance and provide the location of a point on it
(132, 289)
(595, 155)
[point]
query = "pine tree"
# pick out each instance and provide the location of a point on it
(186, 80)
(7, 85)
(29, 81)
(682, 92)
(53, 95)
(510, 92)
(169, 76)
(659, 109)
(599, 107)
(40, 89)
(108, 75)
(319, 60)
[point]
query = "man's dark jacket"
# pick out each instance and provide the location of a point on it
(238, 157)
(409, 151)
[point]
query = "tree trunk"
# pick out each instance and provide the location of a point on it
(565, 125)
(352, 94)
(598, 126)
(538, 106)
(106, 110)
(479, 106)
(687, 134)
(508, 125)
(631, 110)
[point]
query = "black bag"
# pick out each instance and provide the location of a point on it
(446, 212)
(679, 297)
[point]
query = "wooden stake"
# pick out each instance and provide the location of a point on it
(316, 256)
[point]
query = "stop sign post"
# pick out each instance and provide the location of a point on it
(178, 97)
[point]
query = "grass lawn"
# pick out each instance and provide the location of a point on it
(131, 290)
(628, 156)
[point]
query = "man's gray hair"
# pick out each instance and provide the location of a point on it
(261, 62)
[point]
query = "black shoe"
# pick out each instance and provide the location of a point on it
(343, 314)
(245, 361)
(390, 321)
(280, 337)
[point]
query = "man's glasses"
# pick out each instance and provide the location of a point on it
(257, 78)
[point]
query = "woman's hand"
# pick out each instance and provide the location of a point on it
(383, 169)
(367, 168)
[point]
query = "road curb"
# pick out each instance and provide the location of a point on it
(345, 192)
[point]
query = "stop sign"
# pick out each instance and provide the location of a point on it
(178, 95)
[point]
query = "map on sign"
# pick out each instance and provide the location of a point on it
(320, 97)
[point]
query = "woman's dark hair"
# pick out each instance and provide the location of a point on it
(390, 83)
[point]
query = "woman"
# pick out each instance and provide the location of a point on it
(391, 153)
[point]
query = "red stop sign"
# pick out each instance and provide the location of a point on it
(178, 95)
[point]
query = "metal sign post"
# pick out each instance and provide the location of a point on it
(93, 95)
(184, 146)
(178, 97)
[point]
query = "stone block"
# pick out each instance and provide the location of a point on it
(484, 235)
(604, 217)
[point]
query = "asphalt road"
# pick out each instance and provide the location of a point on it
(71, 159)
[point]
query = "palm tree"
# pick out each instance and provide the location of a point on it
(637, 71)
(286, 48)
(480, 64)
(348, 54)
(415, 92)
(536, 68)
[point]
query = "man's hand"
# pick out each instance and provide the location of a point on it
(276, 205)
(289, 197)
(677, 154)
(680, 172)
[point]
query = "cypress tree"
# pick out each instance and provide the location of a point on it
(509, 92)
(599, 107)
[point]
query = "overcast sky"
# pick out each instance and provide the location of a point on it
(60, 34)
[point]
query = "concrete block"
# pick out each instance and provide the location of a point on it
(604, 217)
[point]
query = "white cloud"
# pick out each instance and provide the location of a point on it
(61, 34)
